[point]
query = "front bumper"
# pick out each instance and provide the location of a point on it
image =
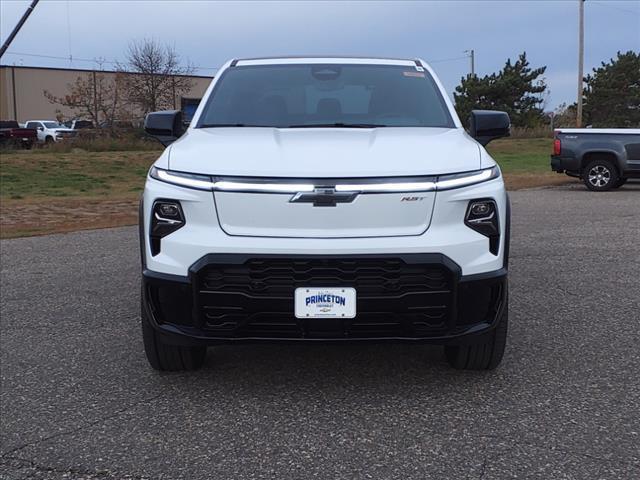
(447, 233)
(234, 298)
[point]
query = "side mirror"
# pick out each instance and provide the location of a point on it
(40, 128)
(487, 125)
(165, 126)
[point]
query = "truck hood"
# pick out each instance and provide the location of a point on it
(324, 152)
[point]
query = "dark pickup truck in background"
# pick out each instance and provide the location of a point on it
(11, 134)
(603, 158)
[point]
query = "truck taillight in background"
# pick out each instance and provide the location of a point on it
(557, 146)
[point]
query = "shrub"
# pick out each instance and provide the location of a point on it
(101, 140)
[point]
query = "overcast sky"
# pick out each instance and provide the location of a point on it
(209, 33)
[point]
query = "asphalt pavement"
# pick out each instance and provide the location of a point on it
(78, 400)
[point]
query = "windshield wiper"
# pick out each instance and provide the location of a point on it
(337, 125)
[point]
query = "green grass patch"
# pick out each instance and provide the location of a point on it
(100, 174)
(81, 173)
(522, 155)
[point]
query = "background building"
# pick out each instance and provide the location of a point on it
(22, 93)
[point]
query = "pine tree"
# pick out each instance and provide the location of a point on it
(516, 89)
(612, 93)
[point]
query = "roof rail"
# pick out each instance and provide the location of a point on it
(283, 57)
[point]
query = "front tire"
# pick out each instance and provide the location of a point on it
(600, 176)
(481, 356)
(165, 357)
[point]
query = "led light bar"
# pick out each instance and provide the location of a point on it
(447, 182)
(200, 182)
(387, 187)
(227, 186)
(444, 182)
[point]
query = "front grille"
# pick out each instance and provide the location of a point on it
(256, 298)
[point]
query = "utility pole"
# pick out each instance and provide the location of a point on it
(472, 56)
(580, 62)
(17, 28)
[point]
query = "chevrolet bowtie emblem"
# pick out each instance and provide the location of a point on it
(324, 197)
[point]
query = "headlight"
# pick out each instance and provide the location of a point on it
(166, 218)
(458, 180)
(482, 216)
(190, 180)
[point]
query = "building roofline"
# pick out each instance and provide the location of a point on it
(89, 70)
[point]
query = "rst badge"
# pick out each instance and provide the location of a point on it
(318, 302)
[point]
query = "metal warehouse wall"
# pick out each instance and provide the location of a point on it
(22, 91)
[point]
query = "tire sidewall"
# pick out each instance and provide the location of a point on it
(613, 179)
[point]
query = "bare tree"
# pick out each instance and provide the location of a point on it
(156, 76)
(93, 96)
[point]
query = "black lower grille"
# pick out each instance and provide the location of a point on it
(256, 298)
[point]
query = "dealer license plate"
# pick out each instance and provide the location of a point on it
(318, 302)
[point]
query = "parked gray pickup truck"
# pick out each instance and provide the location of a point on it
(604, 158)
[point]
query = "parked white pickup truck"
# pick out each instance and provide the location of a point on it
(49, 130)
(325, 200)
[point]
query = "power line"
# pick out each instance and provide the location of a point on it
(102, 60)
(56, 57)
(197, 67)
(90, 60)
(615, 7)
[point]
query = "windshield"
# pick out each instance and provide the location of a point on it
(335, 95)
(52, 125)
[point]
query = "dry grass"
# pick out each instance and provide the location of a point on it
(29, 175)
(51, 192)
(520, 181)
(35, 217)
(532, 132)
(96, 140)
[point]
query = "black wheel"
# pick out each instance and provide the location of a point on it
(620, 182)
(600, 176)
(48, 140)
(481, 356)
(164, 357)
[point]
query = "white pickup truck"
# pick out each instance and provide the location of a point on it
(325, 200)
(50, 131)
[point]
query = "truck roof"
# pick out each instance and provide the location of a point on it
(628, 131)
(328, 59)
